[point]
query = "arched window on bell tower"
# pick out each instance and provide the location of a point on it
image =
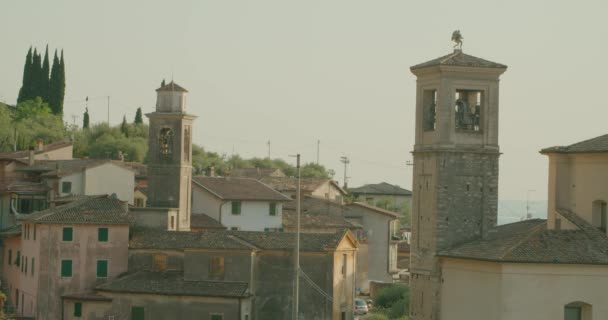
(467, 110)
(165, 143)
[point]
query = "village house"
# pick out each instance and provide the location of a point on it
(561, 264)
(64, 250)
(318, 187)
(238, 203)
(61, 150)
(383, 195)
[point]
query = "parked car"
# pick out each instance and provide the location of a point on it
(360, 306)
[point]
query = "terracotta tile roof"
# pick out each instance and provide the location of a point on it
(171, 86)
(203, 221)
(60, 168)
(316, 221)
(140, 169)
(307, 185)
(594, 145)
(172, 283)
(238, 189)
(90, 210)
(26, 153)
(86, 296)
(22, 186)
(375, 209)
(382, 188)
(281, 241)
(11, 231)
(530, 242)
(178, 240)
(256, 173)
(460, 59)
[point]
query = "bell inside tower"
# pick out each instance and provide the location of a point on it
(468, 108)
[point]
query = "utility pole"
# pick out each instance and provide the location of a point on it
(268, 143)
(346, 161)
(318, 144)
(108, 111)
(296, 290)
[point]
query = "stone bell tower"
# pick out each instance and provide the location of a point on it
(455, 167)
(170, 155)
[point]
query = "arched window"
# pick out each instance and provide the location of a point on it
(187, 143)
(165, 141)
(599, 215)
(577, 311)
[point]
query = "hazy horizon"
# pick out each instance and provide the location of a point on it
(334, 71)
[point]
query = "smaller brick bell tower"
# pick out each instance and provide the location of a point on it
(170, 155)
(455, 187)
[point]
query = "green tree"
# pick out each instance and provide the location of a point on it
(123, 126)
(33, 120)
(138, 117)
(393, 300)
(61, 86)
(25, 91)
(54, 85)
(44, 76)
(6, 129)
(313, 170)
(31, 109)
(85, 119)
(36, 84)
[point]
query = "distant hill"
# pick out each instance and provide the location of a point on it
(514, 210)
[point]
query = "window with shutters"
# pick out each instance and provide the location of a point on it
(66, 268)
(216, 268)
(68, 234)
(102, 234)
(137, 313)
(102, 268)
(236, 207)
(273, 209)
(77, 309)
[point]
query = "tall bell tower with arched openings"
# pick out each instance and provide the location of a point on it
(170, 155)
(455, 167)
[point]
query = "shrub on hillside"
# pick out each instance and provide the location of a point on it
(390, 295)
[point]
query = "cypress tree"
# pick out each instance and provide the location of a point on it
(24, 92)
(138, 117)
(85, 118)
(61, 86)
(123, 126)
(54, 85)
(36, 85)
(44, 77)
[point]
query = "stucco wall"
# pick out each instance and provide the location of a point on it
(77, 180)
(91, 310)
(254, 216)
(328, 191)
(84, 251)
(109, 179)
(575, 181)
(204, 202)
(159, 307)
(520, 291)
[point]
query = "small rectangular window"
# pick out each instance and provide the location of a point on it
(67, 234)
(66, 187)
(273, 209)
(102, 268)
(34, 232)
(216, 316)
(10, 257)
(66, 268)
(137, 313)
(236, 207)
(102, 234)
(344, 264)
(573, 313)
(216, 268)
(77, 309)
(160, 262)
(25, 258)
(18, 258)
(33, 266)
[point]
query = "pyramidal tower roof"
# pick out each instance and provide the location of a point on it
(171, 86)
(459, 59)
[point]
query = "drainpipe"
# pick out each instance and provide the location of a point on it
(220, 211)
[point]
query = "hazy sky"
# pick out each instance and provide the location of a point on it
(295, 72)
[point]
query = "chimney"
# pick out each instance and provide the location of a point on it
(32, 157)
(39, 145)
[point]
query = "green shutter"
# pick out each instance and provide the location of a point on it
(273, 209)
(10, 257)
(77, 309)
(137, 313)
(66, 268)
(34, 232)
(67, 233)
(102, 234)
(217, 317)
(102, 268)
(33, 265)
(236, 207)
